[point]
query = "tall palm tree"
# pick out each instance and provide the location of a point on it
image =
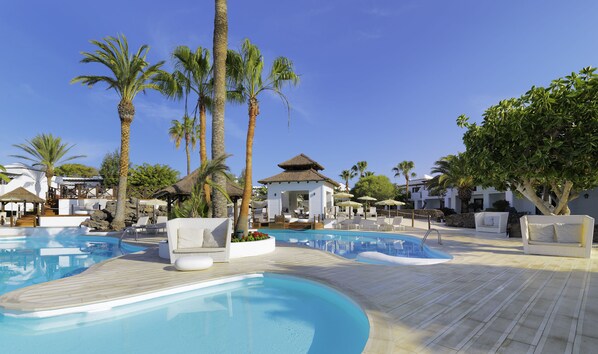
(404, 168)
(454, 172)
(184, 130)
(360, 168)
(346, 175)
(193, 73)
(246, 74)
(47, 151)
(132, 74)
(220, 47)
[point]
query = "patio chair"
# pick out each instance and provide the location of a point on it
(368, 224)
(141, 222)
(360, 211)
(372, 213)
(199, 237)
(396, 223)
(383, 225)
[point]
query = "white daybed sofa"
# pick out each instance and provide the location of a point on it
(491, 221)
(558, 235)
(188, 237)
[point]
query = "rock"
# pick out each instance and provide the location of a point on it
(466, 220)
(98, 225)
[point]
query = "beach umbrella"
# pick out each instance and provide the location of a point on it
(349, 203)
(342, 195)
(390, 202)
(367, 200)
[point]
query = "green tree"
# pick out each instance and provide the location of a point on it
(132, 74)
(347, 175)
(147, 179)
(368, 173)
(360, 168)
(109, 169)
(76, 170)
(47, 151)
(184, 130)
(197, 206)
(453, 171)
(379, 187)
(246, 74)
(545, 140)
(2, 175)
(404, 168)
(220, 47)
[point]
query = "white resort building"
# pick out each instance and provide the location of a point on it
(300, 190)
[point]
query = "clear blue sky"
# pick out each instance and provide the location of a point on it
(381, 81)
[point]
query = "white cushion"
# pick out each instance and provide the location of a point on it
(489, 221)
(568, 233)
(209, 240)
(541, 232)
(193, 263)
(190, 237)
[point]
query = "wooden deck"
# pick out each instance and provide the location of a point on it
(489, 298)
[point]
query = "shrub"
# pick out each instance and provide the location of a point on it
(251, 236)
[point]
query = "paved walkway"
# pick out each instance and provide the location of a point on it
(489, 298)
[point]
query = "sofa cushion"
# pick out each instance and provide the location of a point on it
(568, 233)
(190, 237)
(489, 221)
(208, 239)
(541, 232)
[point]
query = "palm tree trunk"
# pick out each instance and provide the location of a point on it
(407, 187)
(126, 112)
(242, 222)
(218, 150)
(187, 138)
(203, 153)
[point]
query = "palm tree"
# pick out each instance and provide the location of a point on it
(47, 151)
(220, 47)
(193, 73)
(346, 175)
(132, 74)
(404, 168)
(246, 75)
(184, 130)
(197, 205)
(454, 172)
(360, 168)
(2, 175)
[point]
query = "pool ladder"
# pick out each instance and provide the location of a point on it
(421, 245)
(126, 231)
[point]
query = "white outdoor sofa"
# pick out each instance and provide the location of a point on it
(491, 221)
(558, 235)
(187, 237)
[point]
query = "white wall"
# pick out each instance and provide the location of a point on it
(315, 190)
(61, 221)
(64, 205)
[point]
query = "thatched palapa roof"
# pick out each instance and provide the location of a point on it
(21, 195)
(300, 162)
(185, 185)
(300, 168)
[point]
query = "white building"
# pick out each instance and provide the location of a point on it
(483, 198)
(300, 189)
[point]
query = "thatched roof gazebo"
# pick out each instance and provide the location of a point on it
(183, 188)
(20, 195)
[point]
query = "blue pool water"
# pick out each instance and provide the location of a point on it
(352, 244)
(262, 314)
(29, 260)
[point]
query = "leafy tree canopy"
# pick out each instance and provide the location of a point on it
(147, 179)
(545, 140)
(109, 169)
(378, 187)
(76, 170)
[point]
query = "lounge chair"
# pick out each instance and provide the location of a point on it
(159, 226)
(396, 223)
(368, 224)
(372, 213)
(360, 211)
(199, 237)
(141, 223)
(383, 225)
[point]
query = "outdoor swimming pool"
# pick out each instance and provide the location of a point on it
(28, 260)
(368, 247)
(257, 313)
